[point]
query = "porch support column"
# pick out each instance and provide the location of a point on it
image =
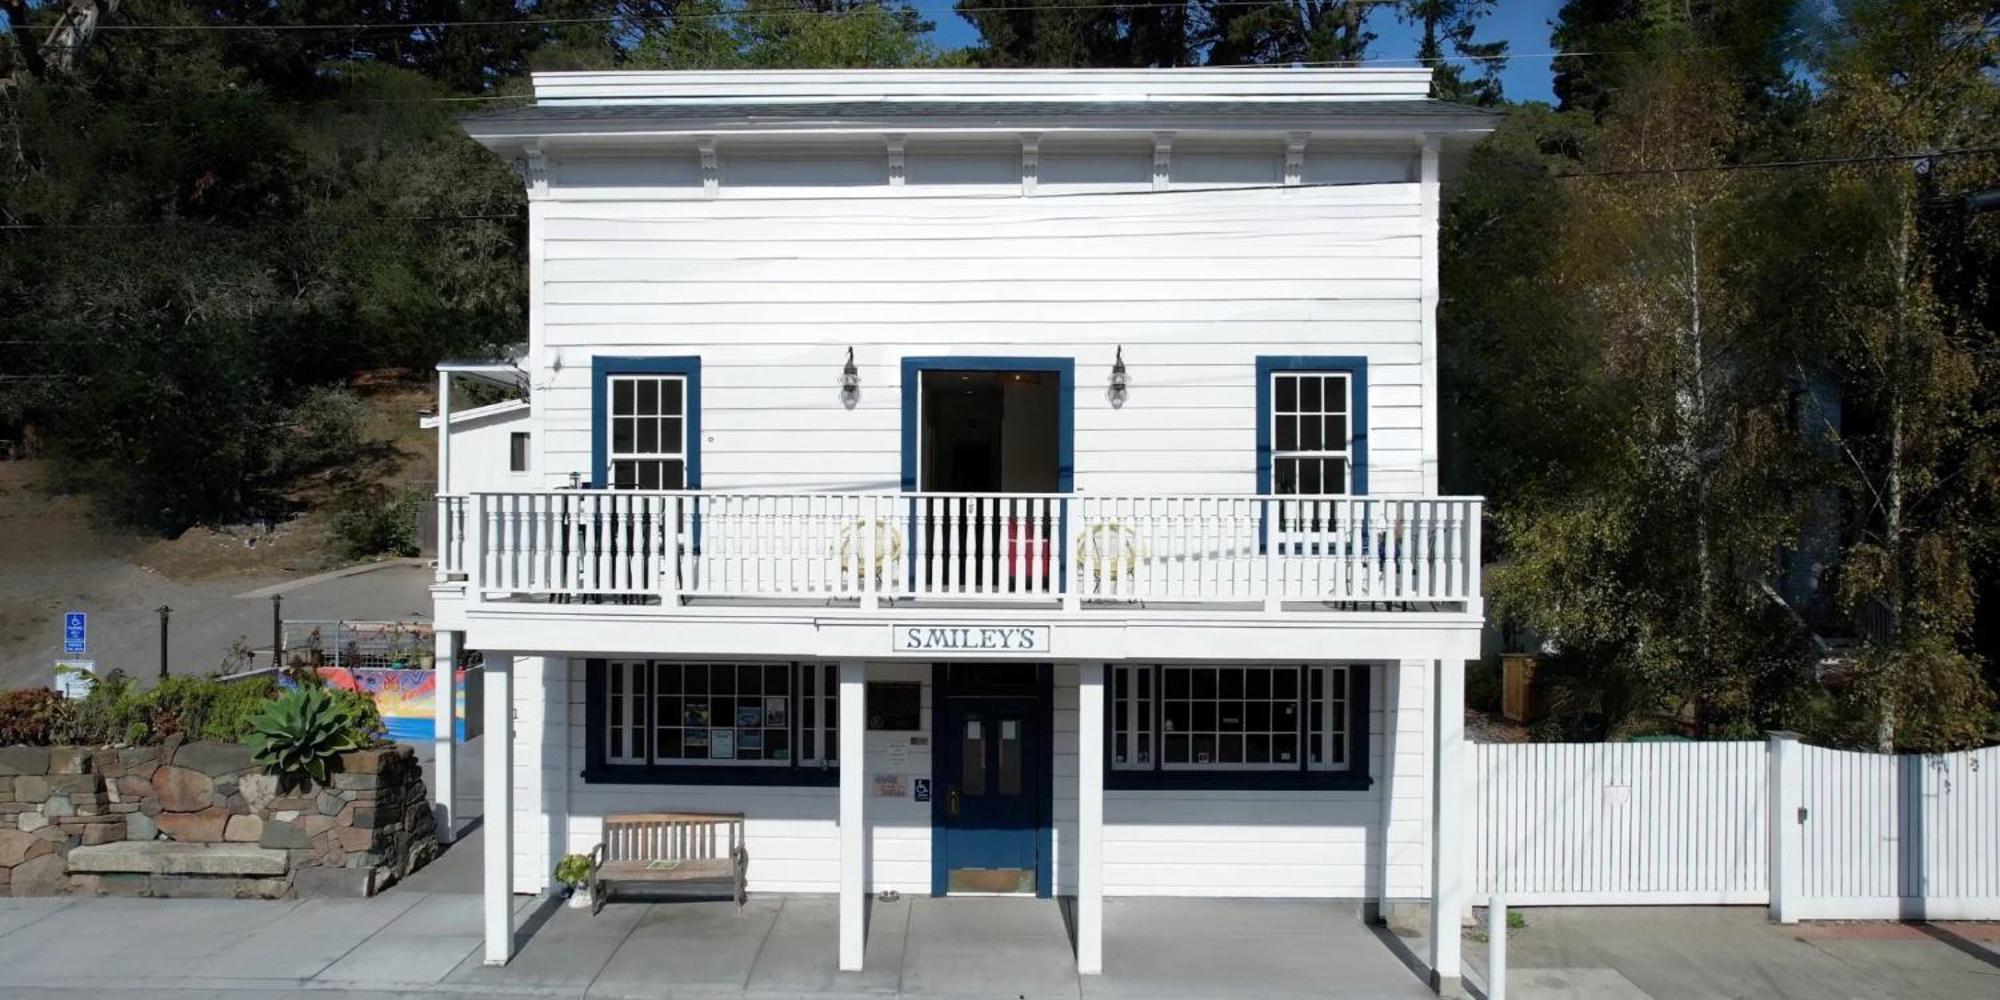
(444, 741)
(853, 829)
(444, 472)
(499, 809)
(1448, 818)
(1090, 819)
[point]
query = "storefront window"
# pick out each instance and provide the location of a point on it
(1251, 717)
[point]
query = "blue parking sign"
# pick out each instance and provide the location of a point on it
(76, 626)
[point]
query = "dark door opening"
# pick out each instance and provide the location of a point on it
(988, 432)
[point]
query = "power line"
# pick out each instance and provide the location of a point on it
(710, 15)
(203, 223)
(1053, 195)
(1826, 161)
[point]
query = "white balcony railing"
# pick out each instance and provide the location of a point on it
(977, 548)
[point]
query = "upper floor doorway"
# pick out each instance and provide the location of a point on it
(985, 431)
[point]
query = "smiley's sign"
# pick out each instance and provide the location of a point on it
(993, 640)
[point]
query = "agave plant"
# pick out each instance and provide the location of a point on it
(299, 734)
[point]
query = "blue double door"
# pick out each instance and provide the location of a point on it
(990, 771)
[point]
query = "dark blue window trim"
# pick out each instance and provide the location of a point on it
(597, 772)
(1354, 779)
(1065, 369)
(1357, 371)
(601, 368)
(1042, 688)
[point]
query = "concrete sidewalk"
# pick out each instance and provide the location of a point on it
(416, 943)
(1703, 953)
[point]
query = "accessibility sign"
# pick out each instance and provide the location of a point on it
(76, 627)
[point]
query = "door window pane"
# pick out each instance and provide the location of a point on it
(1010, 757)
(972, 758)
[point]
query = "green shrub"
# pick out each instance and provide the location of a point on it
(367, 718)
(236, 704)
(323, 429)
(369, 520)
(30, 716)
(573, 869)
(199, 708)
(109, 714)
(297, 735)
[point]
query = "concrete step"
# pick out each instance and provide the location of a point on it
(166, 857)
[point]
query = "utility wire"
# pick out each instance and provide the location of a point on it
(703, 15)
(1826, 161)
(1052, 195)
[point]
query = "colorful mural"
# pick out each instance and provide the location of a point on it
(406, 698)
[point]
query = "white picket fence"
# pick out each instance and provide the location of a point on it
(1815, 833)
(1905, 837)
(1564, 824)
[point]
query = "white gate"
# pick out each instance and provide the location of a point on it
(1911, 836)
(1567, 824)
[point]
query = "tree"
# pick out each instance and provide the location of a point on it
(1288, 31)
(1653, 556)
(782, 34)
(1616, 41)
(1054, 33)
(1457, 22)
(1912, 326)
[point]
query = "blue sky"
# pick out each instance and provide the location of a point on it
(1523, 23)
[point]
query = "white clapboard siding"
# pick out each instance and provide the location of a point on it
(1910, 836)
(1621, 823)
(1192, 285)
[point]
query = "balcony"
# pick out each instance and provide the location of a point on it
(1077, 552)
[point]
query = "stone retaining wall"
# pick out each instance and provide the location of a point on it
(369, 826)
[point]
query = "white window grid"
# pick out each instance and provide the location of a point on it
(1208, 722)
(819, 714)
(1309, 411)
(652, 709)
(646, 430)
(1133, 747)
(624, 712)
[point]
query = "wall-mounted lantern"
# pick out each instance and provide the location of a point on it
(850, 382)
(1121, 382)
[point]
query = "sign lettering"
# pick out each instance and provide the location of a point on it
(990, 639)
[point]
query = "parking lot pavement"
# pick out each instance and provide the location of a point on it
(1701, 953)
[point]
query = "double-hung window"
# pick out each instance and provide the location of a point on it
(1312, 453)
(674, 713)
(1312, 433)
(646, 422)
(1218, 719)
(647, 430)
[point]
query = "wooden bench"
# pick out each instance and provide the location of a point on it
(670, 849)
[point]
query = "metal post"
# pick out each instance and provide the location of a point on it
(277, 632)
(165, 613)
(1496, 948)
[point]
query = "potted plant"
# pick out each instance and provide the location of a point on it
(574, 871)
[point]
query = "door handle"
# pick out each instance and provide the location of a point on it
(951, 802)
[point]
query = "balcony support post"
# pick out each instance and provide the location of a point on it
(870, 565)
(1268, 534)
(475, 548)
(444, 474)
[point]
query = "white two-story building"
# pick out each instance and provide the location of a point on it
(984, 481)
